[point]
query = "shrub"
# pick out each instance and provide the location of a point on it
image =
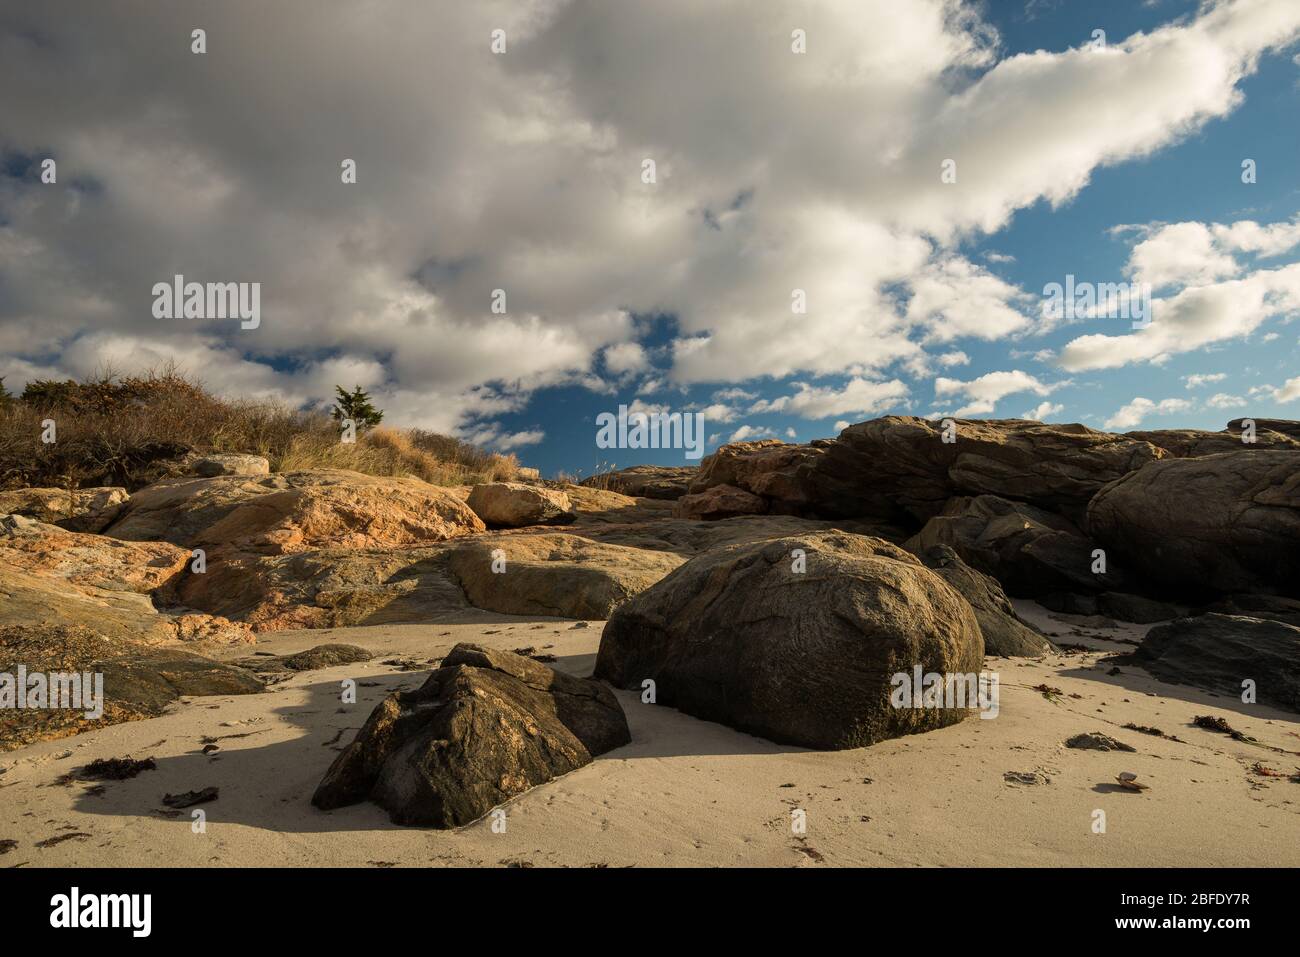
(132, 431)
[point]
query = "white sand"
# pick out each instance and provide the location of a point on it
(688, 792)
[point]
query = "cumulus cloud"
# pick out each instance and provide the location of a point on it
(1221, 400)
(1187, 254)
(1197, 316)
(858, 396)
(985, 392)
(1196, 380)
(1289, 392)
(521, 172)
(751, 433)
(626, 357)
(1139, 409)
(1044, 410)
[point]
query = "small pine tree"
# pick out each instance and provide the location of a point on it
(5, 396)
(356, 406)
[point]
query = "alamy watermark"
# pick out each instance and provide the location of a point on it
(651, 430)
(58, 690)
(944, 691)
(179, 299)
(1106, 300)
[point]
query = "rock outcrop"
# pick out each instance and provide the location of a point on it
(51, 577)
(1193, 443)
(486, 726)
(1274, 607)
(327, 588)
(312, 659)
(228, 463)
(1218, 652)
(1005, 633)
(719, 501)
(294, 511)
(1029, 550)
(646, 481)
(515, 505)
(81, 510)
(900, 468)
(1215, 524)
(740, 636)
(562, 576)
(139, 680)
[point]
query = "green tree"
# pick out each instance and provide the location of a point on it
(5, 396)
(355, 405)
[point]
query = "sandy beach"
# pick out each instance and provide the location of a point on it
(687, 792)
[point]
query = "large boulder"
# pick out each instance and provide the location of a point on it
(740, 636)
(515, 505)
(1005, 633)
(719, 501)
(483, 728)
(646, 481)
(82, 510)
(562, 576)
(1030, 551)
(1215, 524)
(1218, 652)
(294, 511)
(140, 681)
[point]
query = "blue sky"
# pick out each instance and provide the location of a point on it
(775, 170)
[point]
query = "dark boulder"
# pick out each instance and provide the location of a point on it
(1005, 633)
(1219, 652)
(742, 636)
(1220, 523)
(485, 727)
(1273, 607)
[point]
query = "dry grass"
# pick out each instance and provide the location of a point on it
(131, 431)
(599, 478)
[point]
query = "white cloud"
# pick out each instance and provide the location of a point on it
(518, 440)
(951, 359)
(1289, 392)
(718, 412)
(1191, 253)
(734, 395)
(985, 392)
(520, 172)
(626, 357)
(748, 433)
(1196, 380)
(1139, 409)
(858, 396)
(1195, 317)
(1044, 411)
(1221, 400)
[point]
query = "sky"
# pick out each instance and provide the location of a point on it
(857, 208)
